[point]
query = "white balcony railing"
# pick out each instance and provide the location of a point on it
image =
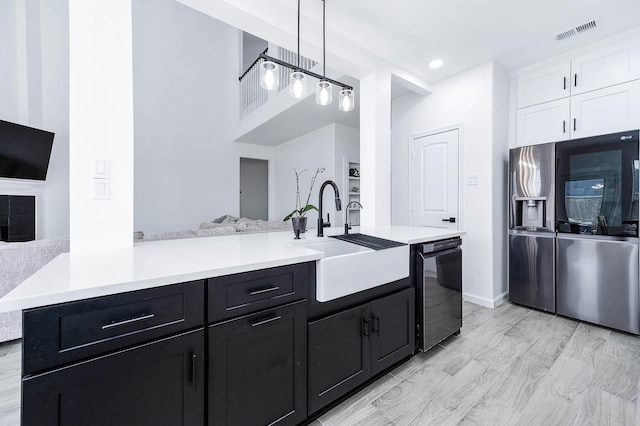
(252, 96)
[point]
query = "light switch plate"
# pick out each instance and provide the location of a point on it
(101, 189)
(471, 179)
(101, 168)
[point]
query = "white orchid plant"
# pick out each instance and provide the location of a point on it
(301, 210)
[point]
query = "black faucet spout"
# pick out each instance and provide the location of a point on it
(338, 204)
(346, 215)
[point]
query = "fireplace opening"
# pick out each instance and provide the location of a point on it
(17, 218)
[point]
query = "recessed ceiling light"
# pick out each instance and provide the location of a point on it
(436, 63)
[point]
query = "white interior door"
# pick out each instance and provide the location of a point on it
(434, 180)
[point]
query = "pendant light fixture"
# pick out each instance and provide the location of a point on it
(324, 90)
(270, 78)
(269, 75)
(298, 79)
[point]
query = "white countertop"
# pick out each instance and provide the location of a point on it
(79, 276)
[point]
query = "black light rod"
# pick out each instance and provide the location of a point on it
(311, 73)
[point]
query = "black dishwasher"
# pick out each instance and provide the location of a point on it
(439, 291)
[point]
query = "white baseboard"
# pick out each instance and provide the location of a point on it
(483, 301)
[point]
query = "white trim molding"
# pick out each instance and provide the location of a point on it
(483, 301)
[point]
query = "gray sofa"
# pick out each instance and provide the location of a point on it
(18, 261)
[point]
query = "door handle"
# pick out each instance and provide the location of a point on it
(266, 321)
(375, 326)
(194, 372)
(366, 327)
(450, 220)
(264, 290)
(129, 321)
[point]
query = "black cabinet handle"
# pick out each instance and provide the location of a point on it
(266, 321)
(574, 124)
(564, 126)
(366, 327)
(129, 321)
(194, 372)
(564, 83)
(375, 324)
(450, 220)
(575, 80)
(264, 290)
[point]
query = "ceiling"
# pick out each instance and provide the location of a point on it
(407, 34)
(403, 36)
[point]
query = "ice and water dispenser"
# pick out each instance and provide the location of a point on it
(530, 212)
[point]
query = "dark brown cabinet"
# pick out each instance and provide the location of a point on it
(158, 383)
(258, 369)
(348, 348)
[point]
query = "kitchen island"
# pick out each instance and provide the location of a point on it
(194, 331)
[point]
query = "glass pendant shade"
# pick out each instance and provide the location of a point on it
(346, 100)
(298, 84)
(324, 93)
(269, 75)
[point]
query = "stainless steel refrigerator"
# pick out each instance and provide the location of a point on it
(532, 226)
(597, 230)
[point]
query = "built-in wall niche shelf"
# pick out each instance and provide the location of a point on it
(353, 182)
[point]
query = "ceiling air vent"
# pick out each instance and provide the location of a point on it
(590, 25)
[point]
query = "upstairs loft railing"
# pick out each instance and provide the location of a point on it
(252, 96)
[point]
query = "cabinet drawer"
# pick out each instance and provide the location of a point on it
(248, 292)
(59, 334)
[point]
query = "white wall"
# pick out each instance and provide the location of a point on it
(9, 65)
(54, 17)
(465, 100)
(185, 93)
(500, 167)
(311, 151)
(34, 91)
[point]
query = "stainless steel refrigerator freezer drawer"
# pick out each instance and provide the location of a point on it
(531, 280)
(597, 281)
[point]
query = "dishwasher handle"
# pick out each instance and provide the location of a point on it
(438, 246)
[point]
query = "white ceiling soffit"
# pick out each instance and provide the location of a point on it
(276, 21)
(405, 35)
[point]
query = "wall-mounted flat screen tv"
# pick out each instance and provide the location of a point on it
(24, 151)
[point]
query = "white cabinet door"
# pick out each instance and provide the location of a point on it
(546, 84)
(547, 122)
(605, 67)
(613, 109)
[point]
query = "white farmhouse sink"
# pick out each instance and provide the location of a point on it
(349, 268)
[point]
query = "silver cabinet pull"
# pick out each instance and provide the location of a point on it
(255, 324)
(194, 372)
(129, 321)
(264, 290)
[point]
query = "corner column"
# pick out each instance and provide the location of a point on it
(100, 124)
(375, 149)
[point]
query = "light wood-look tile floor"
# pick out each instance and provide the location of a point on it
(509, 366)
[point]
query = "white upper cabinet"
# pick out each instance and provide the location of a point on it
(591, 94)
(608, 110)
(605, 67)
(543, 85)
(546, 122)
